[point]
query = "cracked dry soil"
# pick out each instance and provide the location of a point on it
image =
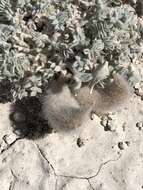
(105, 159)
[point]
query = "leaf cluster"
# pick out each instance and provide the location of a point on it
(39, 38)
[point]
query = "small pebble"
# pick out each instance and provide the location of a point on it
(104, 121)
(108, 123)
(127, 143)
(9, 139)
(121, 145)
(139, 125)
(80, 142)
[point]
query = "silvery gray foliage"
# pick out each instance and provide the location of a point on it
(41, 37)
(6, 14)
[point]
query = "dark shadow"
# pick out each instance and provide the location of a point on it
(139, 8)
(14, 4)
(5, 91)
(26, 119)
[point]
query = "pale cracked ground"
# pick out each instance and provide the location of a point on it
(108, 159)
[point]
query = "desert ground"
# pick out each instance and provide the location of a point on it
(104, 153)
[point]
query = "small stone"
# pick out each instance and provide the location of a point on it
(139, 125)
(121, 145)
(108, 123)
(127, 143)
(80, 142)
(104, 121)
(9, 139)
